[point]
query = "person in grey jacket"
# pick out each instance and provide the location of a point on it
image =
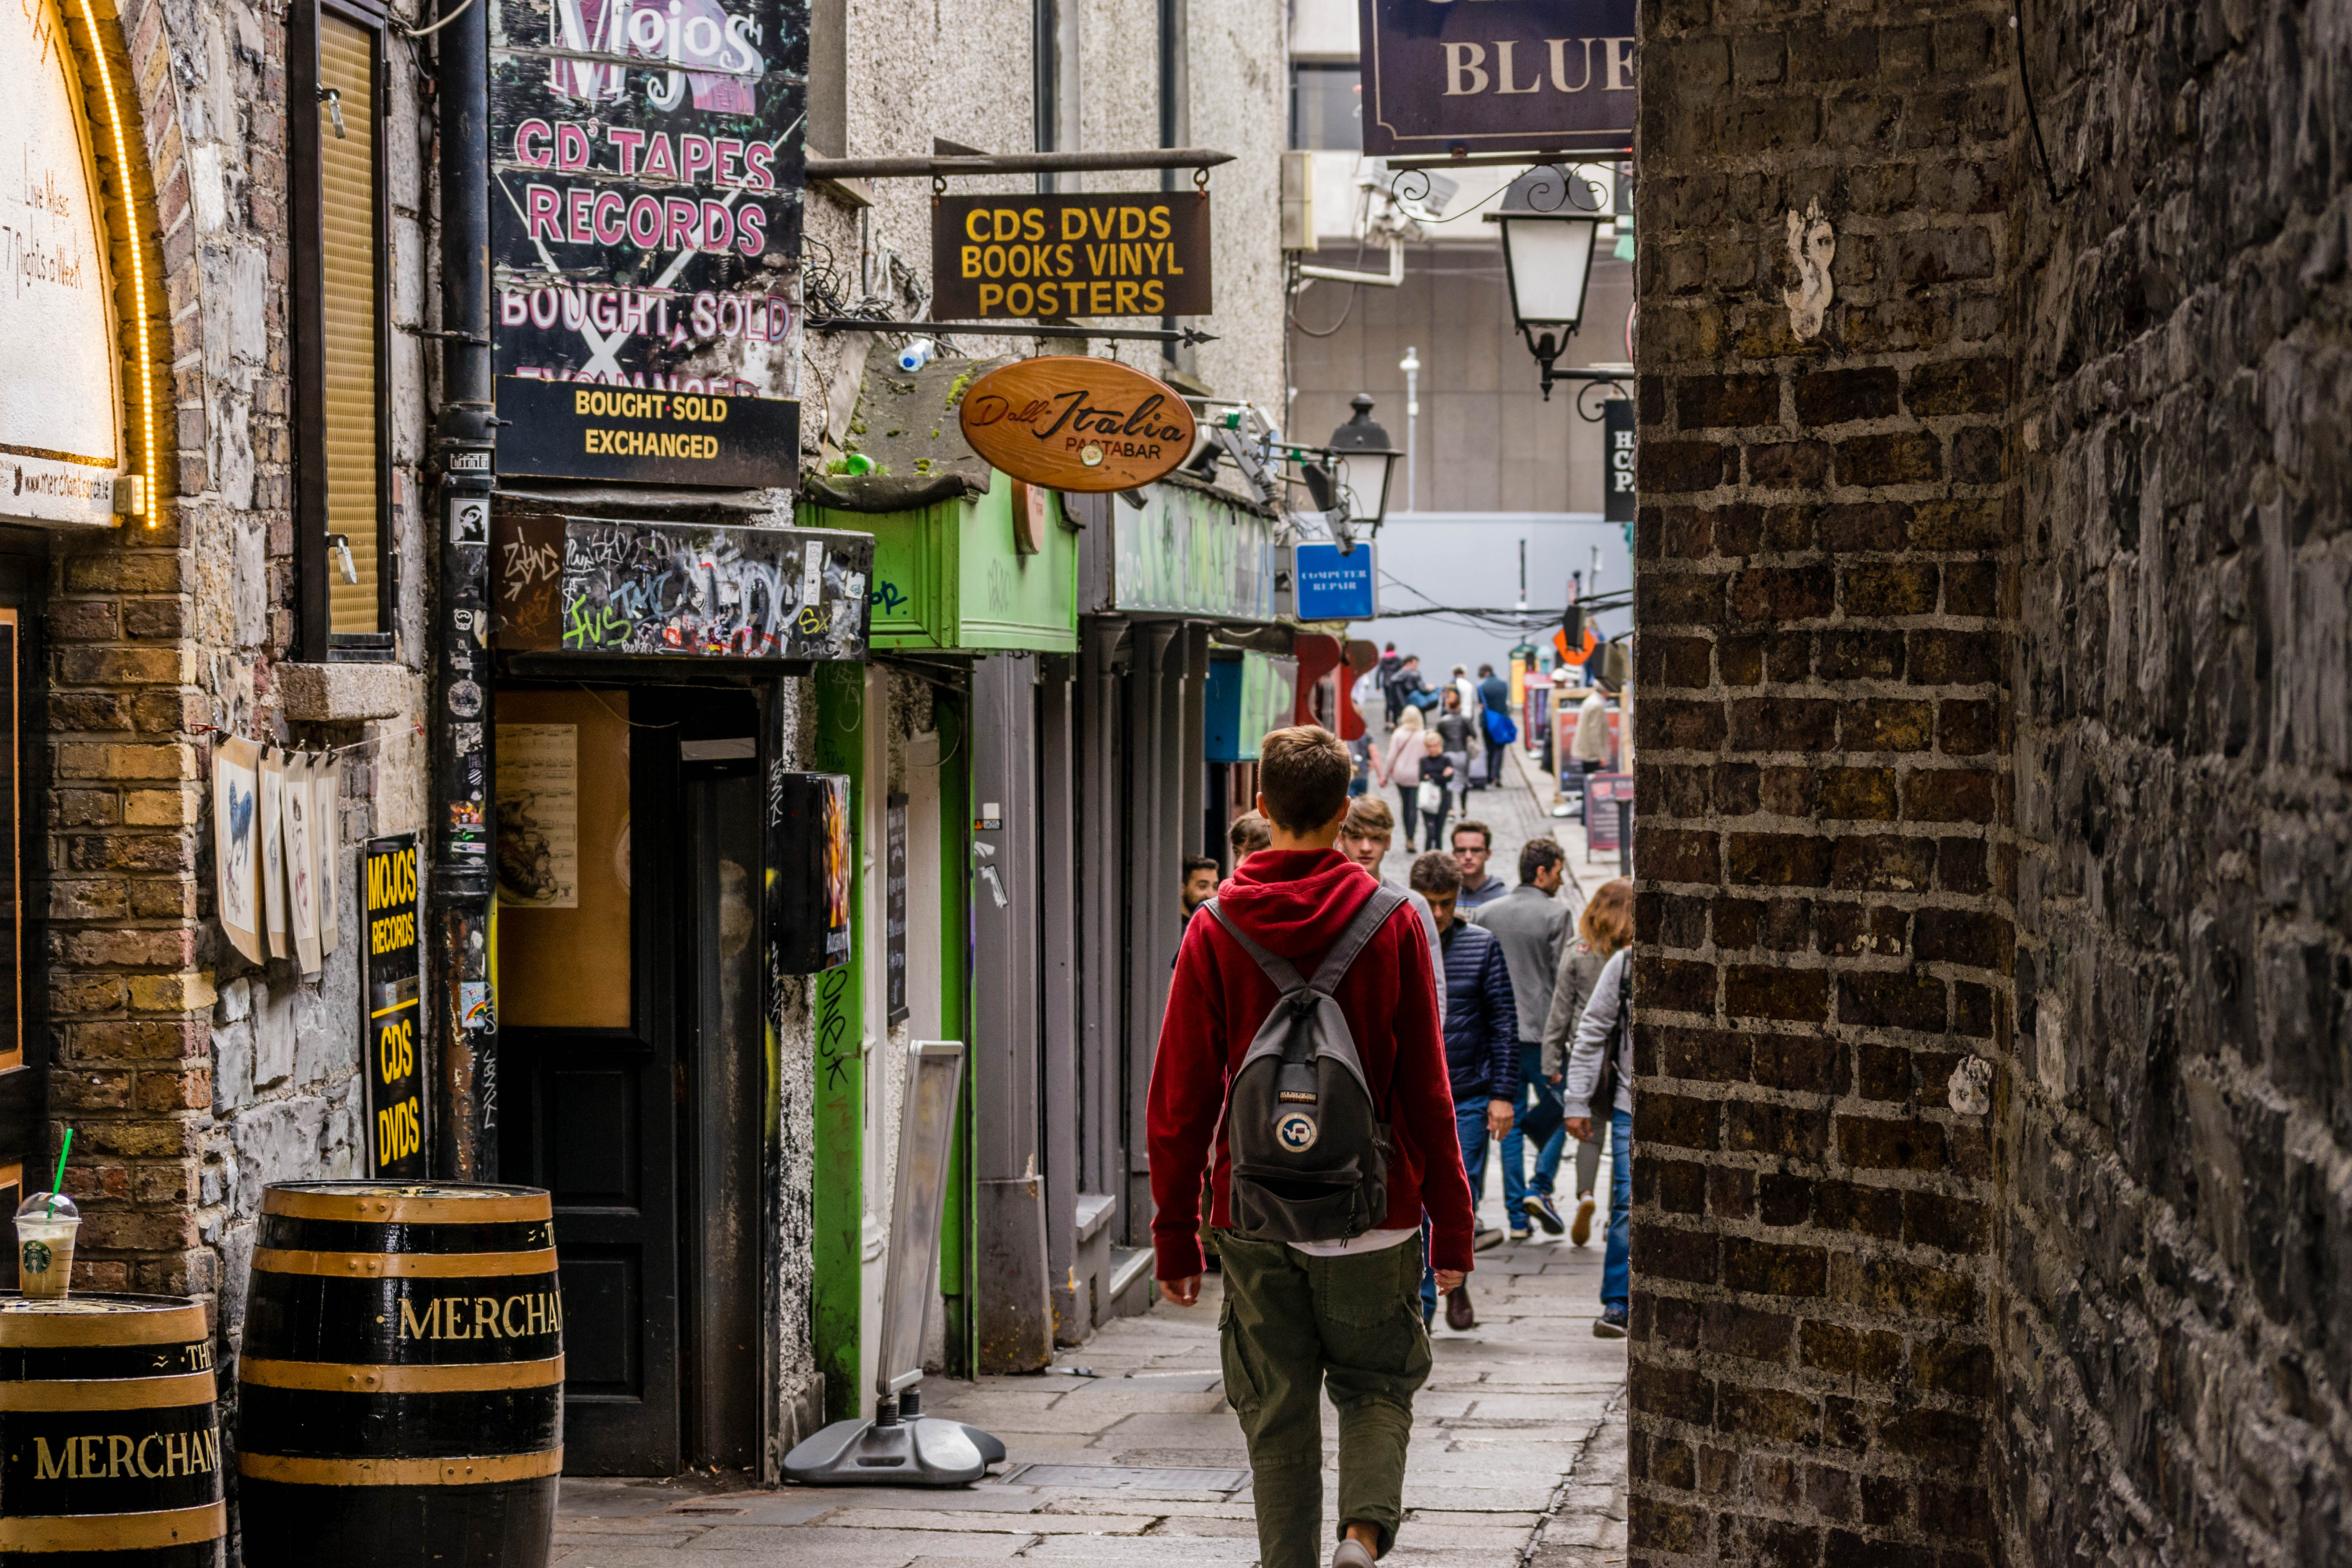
(1607, 1028)
(1605, 926)
(1532, 924)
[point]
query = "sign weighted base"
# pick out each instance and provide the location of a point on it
(894, 1451)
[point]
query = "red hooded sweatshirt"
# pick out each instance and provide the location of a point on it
(1296, 902)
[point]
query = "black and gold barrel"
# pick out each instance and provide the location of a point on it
(109, 1433)
(400, 1390)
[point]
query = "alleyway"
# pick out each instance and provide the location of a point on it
(1519, 1456)
(1519, 1453)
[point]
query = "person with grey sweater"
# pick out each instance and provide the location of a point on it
(1605, 926)
(1605, 1037)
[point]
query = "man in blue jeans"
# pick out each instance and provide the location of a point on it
(1532, 924)
(1607, 1028)
(1482, 1045)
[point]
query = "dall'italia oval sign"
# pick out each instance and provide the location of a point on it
(1070, 423)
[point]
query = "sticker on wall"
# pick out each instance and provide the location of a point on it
(464, 699)
(473, 1004)
(236, 844)
(469, 521)
(327, 818)
(395, 1076)
(301, 867)
(273, 852)
(539, 815)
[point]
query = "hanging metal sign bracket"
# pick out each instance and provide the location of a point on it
(940, 166)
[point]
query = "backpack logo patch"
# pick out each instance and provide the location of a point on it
(1297, 1131)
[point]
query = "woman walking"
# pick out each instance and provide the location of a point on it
(1400, 765)
(1458, 728)
(1605, 927)
(1600, 1083)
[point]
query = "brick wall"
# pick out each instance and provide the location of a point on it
(2175, 1322)
(1824, 905)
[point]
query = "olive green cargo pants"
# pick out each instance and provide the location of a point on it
(1290, 1324)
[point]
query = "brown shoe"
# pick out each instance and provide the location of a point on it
(1580, 1231)
(1459, 1315)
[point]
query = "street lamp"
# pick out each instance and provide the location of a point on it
(1353, 472)
(1548, 259)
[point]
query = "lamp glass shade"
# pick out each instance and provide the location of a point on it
(1366, 477)
(1550, 261)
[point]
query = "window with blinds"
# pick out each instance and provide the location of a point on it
(348, 317)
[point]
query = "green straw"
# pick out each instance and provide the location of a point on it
(58, 1181)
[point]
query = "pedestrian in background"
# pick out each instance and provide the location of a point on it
(1481, 1055)
(1532, 924)
(1302, 1317)
(1400, 765)
(1495, 696)
(1590, 747)
(1472, 843)
(1455, 726)
(1434, 795)
(1200, 882)
(1411, 689)
(1386, 672)
(1600, 1083)
(1605, 927)
(1249, 834)
(1360, 753)
(1364, 839)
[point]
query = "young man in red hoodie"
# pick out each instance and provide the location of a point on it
(1299, 1315)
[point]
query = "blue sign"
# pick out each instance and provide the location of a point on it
(1331, 586)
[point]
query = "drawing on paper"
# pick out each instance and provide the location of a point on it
(539, 815)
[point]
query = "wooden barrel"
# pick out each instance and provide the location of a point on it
(109, 1433)
(400, 1388)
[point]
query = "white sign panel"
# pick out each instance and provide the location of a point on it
(60, 413)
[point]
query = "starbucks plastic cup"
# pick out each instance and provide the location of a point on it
(44, 1244)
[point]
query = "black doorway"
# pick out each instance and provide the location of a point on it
(631, 1053)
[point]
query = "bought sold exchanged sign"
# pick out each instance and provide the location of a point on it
(560, 429)
(1140, 254)
(1443, 80)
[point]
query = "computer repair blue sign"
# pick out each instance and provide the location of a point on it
(1336, 585)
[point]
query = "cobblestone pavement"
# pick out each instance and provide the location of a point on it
(1519, 1456)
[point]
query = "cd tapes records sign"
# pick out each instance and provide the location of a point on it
(646, 170)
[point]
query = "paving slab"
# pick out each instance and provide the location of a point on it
(1517, 1457)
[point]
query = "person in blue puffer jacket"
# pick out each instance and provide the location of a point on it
(1482, 1045)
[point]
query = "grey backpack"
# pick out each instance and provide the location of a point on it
(1310, 1154)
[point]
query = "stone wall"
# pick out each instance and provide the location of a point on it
(1996, 734)
(190, 1076)
(2175, 1330)
(1824, 905)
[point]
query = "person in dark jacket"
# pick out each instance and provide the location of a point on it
(1303, 1318)
(1482, 1040)
(1495, 695)
(1386, 674)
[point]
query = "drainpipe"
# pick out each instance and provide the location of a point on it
(457, 823)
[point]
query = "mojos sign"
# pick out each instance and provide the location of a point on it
(646, 215)
(1448, 80)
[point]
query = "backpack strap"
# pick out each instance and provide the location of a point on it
(1278, 969)
(1371, 915)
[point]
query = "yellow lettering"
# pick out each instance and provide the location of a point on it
(506, 1316)
(144, 1467)
(485, 1318)
(51, 1468)
(1160, 223)
(118, 1449)
(413, 1327)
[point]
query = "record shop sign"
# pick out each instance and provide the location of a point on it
(646, 216)
(1443, 80)
(578, 429)
(60, 409)
(1139, 254)
(1071, 423)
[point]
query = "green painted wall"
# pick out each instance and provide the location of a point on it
(949, 576)
(838, 1009)
(950, 717)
